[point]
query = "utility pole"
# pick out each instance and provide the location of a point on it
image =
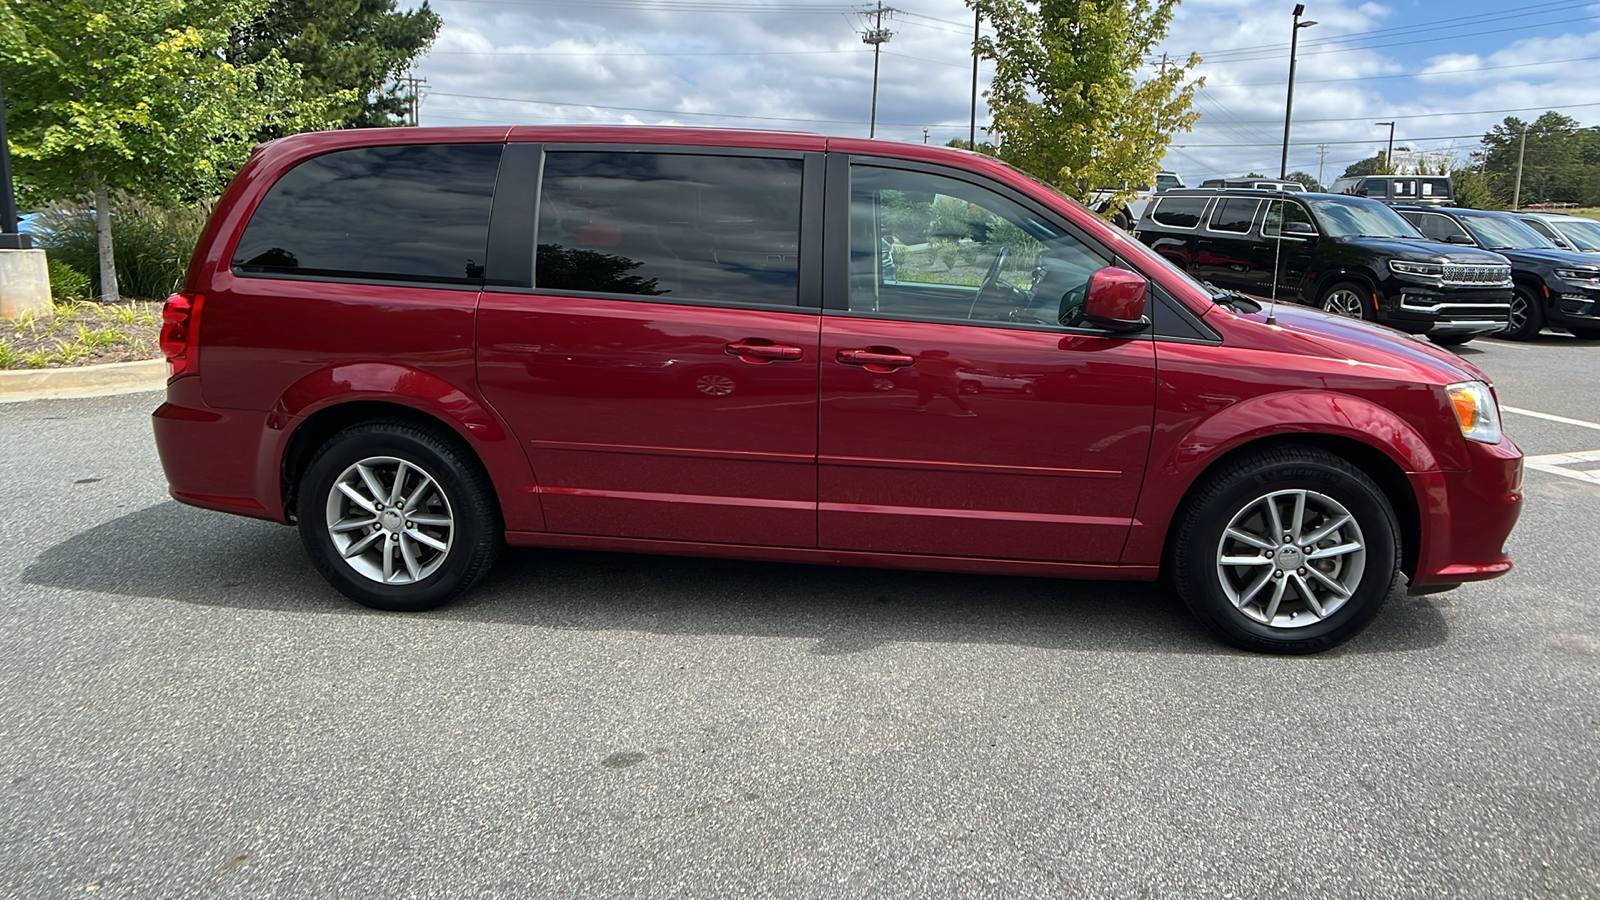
(1516, 192)
(1322, 160)
(413, 86)
(1163, 65)
(877, 36)
(972, 129)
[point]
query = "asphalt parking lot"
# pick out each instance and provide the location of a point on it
(186, 709)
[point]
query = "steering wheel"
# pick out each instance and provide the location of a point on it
(990, 279)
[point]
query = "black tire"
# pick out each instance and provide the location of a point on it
(1123, 220)
(439, 481)
(1450, 340)
(1585, 334)
(1235, 497)
(1526, 317)
(1345, 298)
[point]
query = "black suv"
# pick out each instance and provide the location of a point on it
(1552, 286)
(1348, 255)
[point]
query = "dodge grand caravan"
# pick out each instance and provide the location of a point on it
(1348, 255)
(417, 345)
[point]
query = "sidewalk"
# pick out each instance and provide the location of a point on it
(17, 386)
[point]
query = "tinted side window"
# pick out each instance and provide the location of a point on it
(1435, 226)
(1272, 225)
(722, 228)
(413, 213)
(1181, 212)
(1235, 214)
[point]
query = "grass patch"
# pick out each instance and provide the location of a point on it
(81, 334)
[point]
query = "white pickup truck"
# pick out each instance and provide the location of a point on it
(1129, 215)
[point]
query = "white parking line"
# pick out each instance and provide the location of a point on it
(1553, 418)
(1561, 463)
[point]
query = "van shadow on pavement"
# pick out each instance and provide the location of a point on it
(174, 552)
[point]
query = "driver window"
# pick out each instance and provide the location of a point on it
(928, 247)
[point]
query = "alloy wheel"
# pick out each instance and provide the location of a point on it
(1291, 558)
(389, 520)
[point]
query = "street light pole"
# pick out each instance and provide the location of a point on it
(1288, 106)
(1388, 156)
(972, 129)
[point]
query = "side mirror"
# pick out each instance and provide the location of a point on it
(1115, 300)
(1459, 239)
(1299, 229)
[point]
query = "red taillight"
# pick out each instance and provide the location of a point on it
(180, 328)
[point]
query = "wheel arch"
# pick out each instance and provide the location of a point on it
(327, 402)
(1374, 463)
(1329, 279)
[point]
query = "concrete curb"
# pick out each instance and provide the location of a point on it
(83, 381)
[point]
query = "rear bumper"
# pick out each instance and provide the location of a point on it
(1467, 516)
(216, 458)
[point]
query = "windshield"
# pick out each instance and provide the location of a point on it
(1585, 234)
(1496, 233)
(1360, 217)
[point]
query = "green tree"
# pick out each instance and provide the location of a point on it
(134, 96)
(1558, 163)
(1066, 101)
(350, 50)
(1372, 165)
(1306, 180)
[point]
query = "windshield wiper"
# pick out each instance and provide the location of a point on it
(1240, 303)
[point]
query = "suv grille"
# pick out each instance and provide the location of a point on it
(1455, 273)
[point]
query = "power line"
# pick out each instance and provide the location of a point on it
(1420, 74)
(1405, 43)
(1474, 112)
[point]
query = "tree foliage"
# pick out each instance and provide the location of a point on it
(134, 96)
(1372, 165)
(351, 50)
(1066, 100)
(1560, 164)
(1306, 180)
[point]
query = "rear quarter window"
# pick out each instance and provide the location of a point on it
(411, 213)
(1180, 212)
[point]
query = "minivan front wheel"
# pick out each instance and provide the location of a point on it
(397, 518)
(1290, 550)
(1350, 299)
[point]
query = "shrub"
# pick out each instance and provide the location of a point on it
(67, 283)
(151, 244)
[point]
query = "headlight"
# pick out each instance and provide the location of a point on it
(1476, 411)
(1578, 274)
(1406, 267)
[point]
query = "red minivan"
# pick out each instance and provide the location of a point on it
(420, 344)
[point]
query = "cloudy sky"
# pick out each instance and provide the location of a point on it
(1443, 72)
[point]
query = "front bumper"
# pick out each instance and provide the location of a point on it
(1467, 516)
(1427, 310)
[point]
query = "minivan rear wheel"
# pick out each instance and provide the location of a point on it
(396, 517)
(1290, 550)
(1347, 298)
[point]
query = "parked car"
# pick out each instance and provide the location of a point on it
(1260, 184)
(1551, 286)
(1100, 200)
(372, 336)
(1347, 255)
(1567, 232)
(1426, 190)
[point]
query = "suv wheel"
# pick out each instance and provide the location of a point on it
(396, 518)
(1347, 298)
(1290, 550)
(1526, 317)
